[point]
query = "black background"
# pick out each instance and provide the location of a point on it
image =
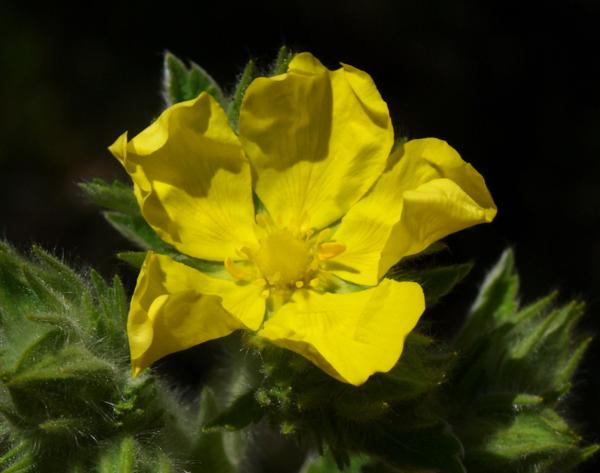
(512, 87)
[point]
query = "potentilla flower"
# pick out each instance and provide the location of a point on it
(307, 208)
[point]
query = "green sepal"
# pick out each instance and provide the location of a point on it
(182, 83)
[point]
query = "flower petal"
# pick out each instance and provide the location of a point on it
(175, 307)
(317, 139)
(426, 192)
(349, 336)
(192, 180)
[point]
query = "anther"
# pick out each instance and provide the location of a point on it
(236, 272)
(260, 282)
(330, 250)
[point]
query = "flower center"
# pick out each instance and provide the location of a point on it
(283, 259)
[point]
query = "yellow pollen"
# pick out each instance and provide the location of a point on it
(330, 250)
(282, 258)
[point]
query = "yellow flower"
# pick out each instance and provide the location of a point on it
(333, 207)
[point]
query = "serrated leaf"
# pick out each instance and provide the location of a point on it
(200, 81)
(182, 83)
(497, 297)
(58, 275)
(283, 59)
(116, 196)
(136, 230)
(233, 109)
(243, 411)
(133, 258)
(119, 458)
(437, 281)
(13, 454)
(516, 364)
(72, 362)
(15, 295)
(500, 443)
(44, 294)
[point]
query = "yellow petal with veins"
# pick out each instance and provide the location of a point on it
(349, 336)
(317, 139)
(175, 307)
(426, 192)
(191, 179)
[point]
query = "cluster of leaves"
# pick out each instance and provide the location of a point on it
(67, 401)
(181, 82)
(515, 370)
(489, 402)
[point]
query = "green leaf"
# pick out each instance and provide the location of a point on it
(136, 230)
(124, 213)
(497, 301)
(326, 464)
(242, 412)
(436, 281)
(182, 83)
(233, 109)
(516, 366)
(120, 458)
(65, 387)
(524, 442)
(133, 258)
(116, 196)
(283, 59)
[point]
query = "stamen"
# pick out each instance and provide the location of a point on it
(260, 282)
(236, 272)
(246, 252)
(330, 250)
(324, 235)
(299, 284)
(265, 221)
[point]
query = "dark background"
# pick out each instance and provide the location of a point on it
(512, 87)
